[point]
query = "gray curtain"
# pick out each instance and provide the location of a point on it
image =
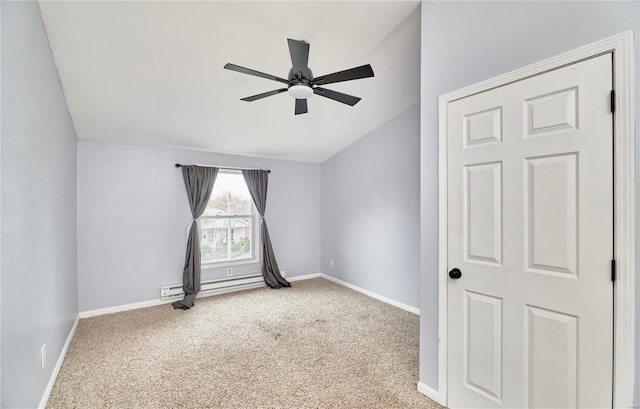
(198, 181)
(257, 183)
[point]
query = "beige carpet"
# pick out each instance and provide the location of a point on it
(315, 345)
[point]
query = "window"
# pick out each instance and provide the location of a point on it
(227, 226)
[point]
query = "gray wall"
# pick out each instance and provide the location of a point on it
(39, 275)
(0, 209)
(467, 42)
(133, 216)
(371, 213)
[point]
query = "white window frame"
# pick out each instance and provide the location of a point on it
(255, 237)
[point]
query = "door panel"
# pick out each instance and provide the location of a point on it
(551, 214)
(483, 213)
(530, 208)
(552, 112)
(483, 127)
(483, 345)
(552, 352)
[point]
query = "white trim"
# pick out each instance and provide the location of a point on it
(121, 308)
(625, 315)
(230, 263)
(442, 253)
(215, 286)
(371, 294)
(56, 369)
(153, 303)
(429, 392)
(625, 312)
(304, 277)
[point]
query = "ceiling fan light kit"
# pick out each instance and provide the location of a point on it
(300, 91)
(301, 84)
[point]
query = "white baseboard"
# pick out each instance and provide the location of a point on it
(126, 307)
(304, 277)
(371, 294)
(56, 369)
(153, 303)
(430, 393)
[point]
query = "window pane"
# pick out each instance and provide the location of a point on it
(230, 196)
(225, 239)
(224, 236)
(240, 238)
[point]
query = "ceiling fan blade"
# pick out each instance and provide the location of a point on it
(336, 96)
(263, 95)
(301, 106)
(299, 51)
(364, 71)
(249, 71)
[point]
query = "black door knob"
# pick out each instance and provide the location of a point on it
(455, 273)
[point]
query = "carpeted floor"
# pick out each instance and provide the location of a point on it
(315, 345)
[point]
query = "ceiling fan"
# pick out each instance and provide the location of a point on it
(301, 84)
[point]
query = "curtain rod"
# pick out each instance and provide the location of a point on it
(228, 168)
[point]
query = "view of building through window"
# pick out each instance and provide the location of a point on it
(227, 225)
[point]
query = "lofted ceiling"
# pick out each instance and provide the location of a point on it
(151, 73)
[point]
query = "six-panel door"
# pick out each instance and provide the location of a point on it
(530, 205)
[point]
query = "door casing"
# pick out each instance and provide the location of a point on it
(624, 207)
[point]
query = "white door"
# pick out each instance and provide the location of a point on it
(530, 205)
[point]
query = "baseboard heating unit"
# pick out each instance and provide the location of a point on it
(213, 287)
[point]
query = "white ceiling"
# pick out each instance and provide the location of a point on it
(150, 73)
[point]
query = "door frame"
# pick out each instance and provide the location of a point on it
(621, 46)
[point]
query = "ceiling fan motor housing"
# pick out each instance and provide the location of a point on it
(300, 77)
(300, 86)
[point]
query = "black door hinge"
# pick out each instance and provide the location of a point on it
(613, 270)
(613, 101)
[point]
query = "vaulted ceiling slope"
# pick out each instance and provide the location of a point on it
(151, 73)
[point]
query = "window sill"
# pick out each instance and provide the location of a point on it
(222, 264)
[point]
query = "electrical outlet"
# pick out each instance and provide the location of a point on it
(43, 356)
(331, 263)
(229, 272)
(283, 273)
